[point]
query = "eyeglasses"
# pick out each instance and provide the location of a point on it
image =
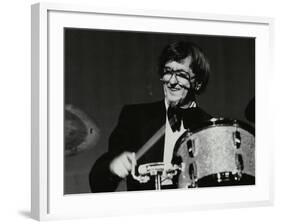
(180, 75)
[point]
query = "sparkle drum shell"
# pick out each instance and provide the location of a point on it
(219, 152)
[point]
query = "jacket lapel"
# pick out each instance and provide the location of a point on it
(155, 120)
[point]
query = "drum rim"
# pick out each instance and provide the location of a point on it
(213, 122)
(220, 121)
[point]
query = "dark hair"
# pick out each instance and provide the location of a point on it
(200, 66)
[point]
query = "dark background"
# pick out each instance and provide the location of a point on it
(106, 69)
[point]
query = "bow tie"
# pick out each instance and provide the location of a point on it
(175, 116)
(189, 116)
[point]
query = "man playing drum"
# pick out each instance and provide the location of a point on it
(184, 72)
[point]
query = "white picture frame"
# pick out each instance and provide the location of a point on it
(48, 201)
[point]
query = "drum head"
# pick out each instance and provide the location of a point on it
(219, 152)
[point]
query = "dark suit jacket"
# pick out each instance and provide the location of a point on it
(137, 123)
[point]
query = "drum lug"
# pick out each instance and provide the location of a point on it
(237, 139)
(240, 166)
(239, 162)
(191, 147)
(238, 176)
(193, 185)
(193, 175)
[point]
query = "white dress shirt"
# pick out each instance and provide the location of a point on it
(169, 143)
(171, 137)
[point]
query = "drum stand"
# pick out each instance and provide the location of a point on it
(157, 179)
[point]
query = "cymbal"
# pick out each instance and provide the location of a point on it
(80, 131)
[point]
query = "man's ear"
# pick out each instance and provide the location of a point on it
(198, 86)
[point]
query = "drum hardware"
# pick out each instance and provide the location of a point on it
(191, 147)
(157, 181)
(222, 177)
(219, 176)
(193, 175)
(236, 135)
(227, 176)
(213, 121)
(240, 166)
(237, 139)
(158, 170)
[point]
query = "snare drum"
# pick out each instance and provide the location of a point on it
(219, 152)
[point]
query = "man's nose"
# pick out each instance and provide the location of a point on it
(173, 79)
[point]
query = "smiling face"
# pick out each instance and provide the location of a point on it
(178, 81)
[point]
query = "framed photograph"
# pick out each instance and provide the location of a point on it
(104, 82)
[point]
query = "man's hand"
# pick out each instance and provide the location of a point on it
(122, 164)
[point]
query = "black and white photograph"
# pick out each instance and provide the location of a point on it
(149, 111)
(157, 111)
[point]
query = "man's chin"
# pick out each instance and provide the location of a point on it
(173, 102)
(178, 102)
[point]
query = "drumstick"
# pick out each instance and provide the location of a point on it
(152, 141)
